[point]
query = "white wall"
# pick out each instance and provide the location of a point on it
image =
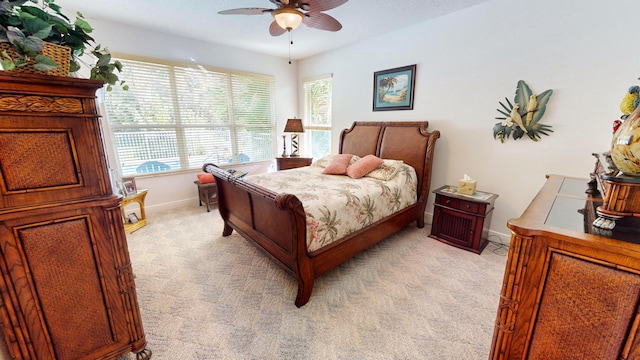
(177, 189)
(468, 61)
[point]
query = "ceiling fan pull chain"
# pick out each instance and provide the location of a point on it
(290, 43)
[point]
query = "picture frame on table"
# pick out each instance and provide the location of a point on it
(129, 186)
(133, 218)
(393, 89)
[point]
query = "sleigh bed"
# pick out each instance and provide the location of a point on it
(276, 222)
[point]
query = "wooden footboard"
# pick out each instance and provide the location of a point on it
(276, 223)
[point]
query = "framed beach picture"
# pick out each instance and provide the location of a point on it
(393, 88)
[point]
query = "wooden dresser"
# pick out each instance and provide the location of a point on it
(570, 291)
(66, 287)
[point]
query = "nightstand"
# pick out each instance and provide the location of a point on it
(289, 162)
(462, 220)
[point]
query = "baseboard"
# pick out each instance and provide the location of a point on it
(150, 209)
(500, 238)
(428, 218)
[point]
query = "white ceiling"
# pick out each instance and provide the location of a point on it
(199, 19)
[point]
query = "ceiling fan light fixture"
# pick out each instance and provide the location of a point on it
(288, 18)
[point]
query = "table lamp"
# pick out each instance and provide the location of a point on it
(294, 126)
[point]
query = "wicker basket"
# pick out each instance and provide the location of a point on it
(60, 54)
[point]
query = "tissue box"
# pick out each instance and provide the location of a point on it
(467, 187)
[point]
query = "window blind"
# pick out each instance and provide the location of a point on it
(179, 117)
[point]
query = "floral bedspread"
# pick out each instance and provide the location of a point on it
(337, 205)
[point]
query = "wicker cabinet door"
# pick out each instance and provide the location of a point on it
(571, 310)
(67, 278)
(563, 300)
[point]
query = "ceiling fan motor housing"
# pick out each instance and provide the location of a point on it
(290, 15)
(288, 18)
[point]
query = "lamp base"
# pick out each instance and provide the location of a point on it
(284, 145)
(294, 146)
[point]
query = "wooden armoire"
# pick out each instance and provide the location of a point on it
(66, 288)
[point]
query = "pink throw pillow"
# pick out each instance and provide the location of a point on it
(206, 178)
(339, 164)
(363, 166)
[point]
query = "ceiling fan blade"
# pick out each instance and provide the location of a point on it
(321, 5)
(321, 21)
(245, 11)
(275, 29)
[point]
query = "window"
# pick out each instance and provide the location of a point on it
(179, 117)
(317, 110)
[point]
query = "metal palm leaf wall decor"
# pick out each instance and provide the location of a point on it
(522, 117)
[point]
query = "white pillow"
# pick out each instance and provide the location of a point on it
(324, 161)
(386, 171)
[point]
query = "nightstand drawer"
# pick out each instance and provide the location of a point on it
(284, 163)
(470, 207)
(458, 204)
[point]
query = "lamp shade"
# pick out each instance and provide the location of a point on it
(294, 126)
(288, 18)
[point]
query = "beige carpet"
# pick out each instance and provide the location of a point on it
(204, 296)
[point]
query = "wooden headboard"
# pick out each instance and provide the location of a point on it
(406, 141)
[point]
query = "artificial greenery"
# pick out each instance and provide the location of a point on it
(522, 117)
(28, 24)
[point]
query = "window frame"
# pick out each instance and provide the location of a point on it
(308, 116)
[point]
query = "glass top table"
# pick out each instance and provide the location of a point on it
(574, 210)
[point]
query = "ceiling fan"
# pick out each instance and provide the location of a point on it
(290, 13)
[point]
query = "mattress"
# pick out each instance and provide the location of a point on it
(337, 205)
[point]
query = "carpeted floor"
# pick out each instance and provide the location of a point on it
(204, 296)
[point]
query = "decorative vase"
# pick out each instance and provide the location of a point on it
(625, 146)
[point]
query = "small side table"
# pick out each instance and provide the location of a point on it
(132, 223)
(462, 220)
(292, 162)
(207, 193)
